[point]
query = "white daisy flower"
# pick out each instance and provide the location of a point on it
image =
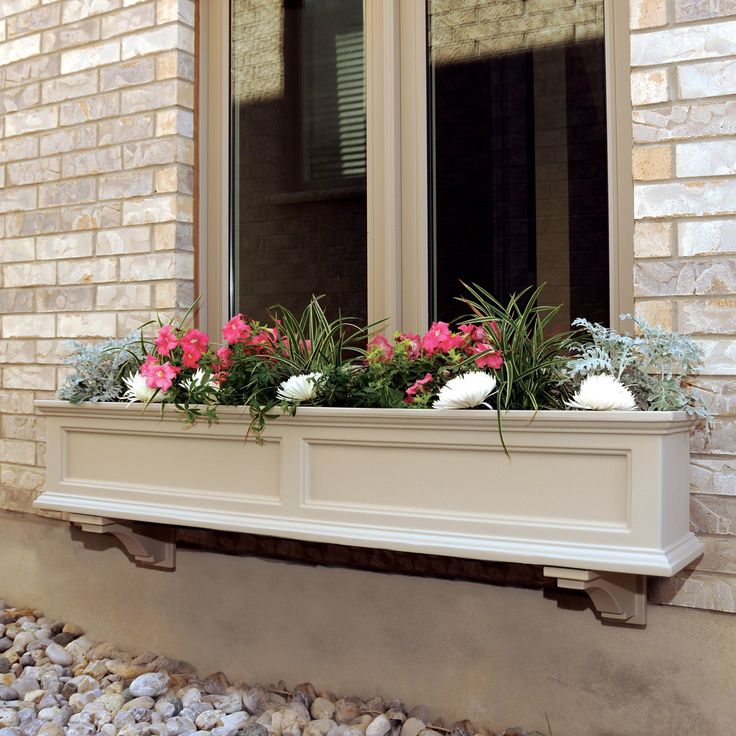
(603, 393)
(139, 390)
(299, 388)
(197, 381)
(465, 391)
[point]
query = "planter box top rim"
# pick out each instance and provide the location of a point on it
(237, 413)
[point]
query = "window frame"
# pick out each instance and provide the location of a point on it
(397, 162)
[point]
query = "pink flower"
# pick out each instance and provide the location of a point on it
(439, 338)
(165, 340)
(160, 376)
(149, 365)
(418, 386)
(194, 343)
(474, 333)
(236, 329)
(225, 356)
(191, 360)
(489, 360)
(414, 344)
(380, 349)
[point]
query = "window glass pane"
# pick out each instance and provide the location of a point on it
(519, 187)
(298, 155)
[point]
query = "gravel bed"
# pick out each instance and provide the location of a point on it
(55, 681)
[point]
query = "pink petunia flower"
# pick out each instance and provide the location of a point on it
(414, 344)
(440, 338)
(225, 356)
(236, 329)
(191, 360)
(194, 343)
(380, 349)
(492, 360)
(474, 333)
(418, 386)
(161, 376)
(166, 340)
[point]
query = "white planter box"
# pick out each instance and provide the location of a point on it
(601, 491)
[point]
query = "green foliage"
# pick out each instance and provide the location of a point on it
(99, 369)
(654, 364)
(532, 375)
(306, 343)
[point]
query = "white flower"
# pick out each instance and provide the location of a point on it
(603, 393)
(465, 391)
(197, 381)
(299, 388)
(139, 390)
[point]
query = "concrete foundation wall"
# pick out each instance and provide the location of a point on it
(498, 656)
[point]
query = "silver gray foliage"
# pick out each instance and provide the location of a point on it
(99, 369)
(655, 364)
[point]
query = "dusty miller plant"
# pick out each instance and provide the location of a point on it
(655, 364)
(99, 369)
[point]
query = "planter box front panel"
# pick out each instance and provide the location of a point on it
(591, 491)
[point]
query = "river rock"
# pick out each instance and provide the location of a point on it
(4, 665)
(8, 717)
(412, 727)
(59, 655)
(8, 693)
(322, 709)
(379, 726)
(346, 711)
(150, 684)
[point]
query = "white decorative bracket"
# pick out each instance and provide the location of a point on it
(150, 545)
(618, 597)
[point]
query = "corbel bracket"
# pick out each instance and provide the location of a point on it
(618, 597)
(149, 545)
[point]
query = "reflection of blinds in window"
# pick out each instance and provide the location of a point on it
(333, 129)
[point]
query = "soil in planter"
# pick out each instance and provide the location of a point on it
(55, 681)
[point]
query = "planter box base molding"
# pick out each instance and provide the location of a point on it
(582, 491)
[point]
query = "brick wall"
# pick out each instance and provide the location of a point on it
(96, 183)
(683, 86)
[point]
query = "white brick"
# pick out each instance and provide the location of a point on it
(27, 121)
(156, 266)
(88, 324)
(683, 199)
(649, 86)
(684, 44)
(69, 139)
(19, 48)
(87, 272)
(124, 240)
(77, 60)
(15, 199)
(70, 86)
(16, 249)
(79, 9)
(30, 325)
(160, 39)
(706, 237)
(706, 158)
(40, 378)
(152, 209)
(69, 245)
(124, 296)
(711, 79)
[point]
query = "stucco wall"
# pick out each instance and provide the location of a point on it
(96, 210)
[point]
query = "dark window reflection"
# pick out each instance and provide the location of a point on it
(298, 155)
(519, 155)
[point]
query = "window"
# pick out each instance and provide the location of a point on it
(380, 152)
